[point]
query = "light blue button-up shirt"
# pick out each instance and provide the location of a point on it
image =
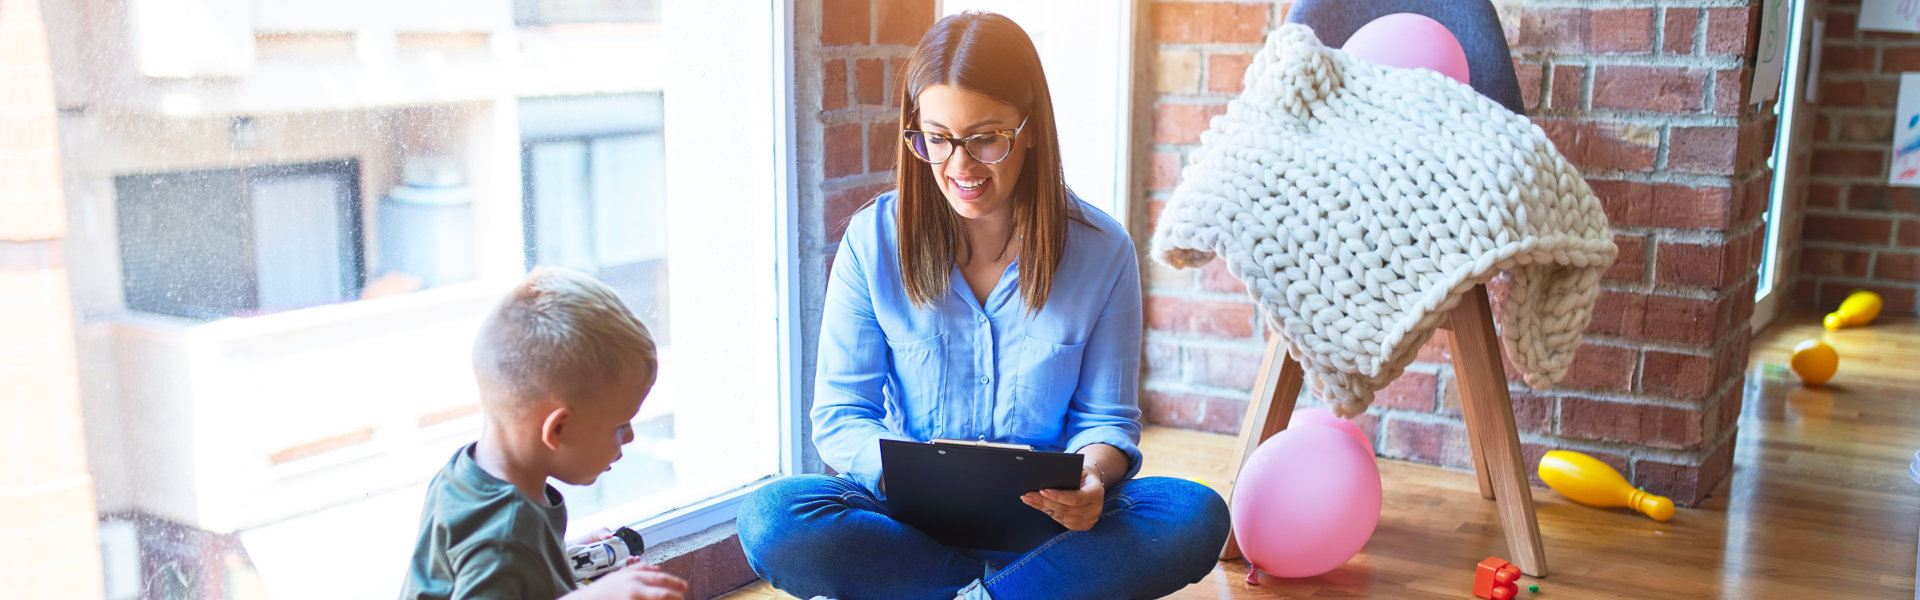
(1057, 380)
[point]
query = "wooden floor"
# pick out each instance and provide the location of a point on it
(1819, 504)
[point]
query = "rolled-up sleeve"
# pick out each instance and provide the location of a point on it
(1106, 403)
(850, 378)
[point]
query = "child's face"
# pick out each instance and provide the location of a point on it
(601, 423)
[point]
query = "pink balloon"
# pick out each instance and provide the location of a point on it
(1305, 502)
(1410, 41)
(1321, 416)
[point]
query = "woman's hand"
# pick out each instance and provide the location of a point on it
(1076, 509)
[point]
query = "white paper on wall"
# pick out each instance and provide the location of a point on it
(1813, 59)
(1770, 60)
(1904, 167)
(1890, 15)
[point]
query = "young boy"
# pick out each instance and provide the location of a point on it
(562, 367)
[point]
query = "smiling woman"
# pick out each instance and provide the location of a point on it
(1043, 350)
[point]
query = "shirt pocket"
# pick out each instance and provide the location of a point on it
(919, 376)
(1045, 376)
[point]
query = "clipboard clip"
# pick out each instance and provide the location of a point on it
(982, 443)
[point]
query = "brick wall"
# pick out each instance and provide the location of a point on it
(1859, 232)
(847, 57)
(1648, 99)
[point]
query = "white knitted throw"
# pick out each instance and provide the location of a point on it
(1359, 202)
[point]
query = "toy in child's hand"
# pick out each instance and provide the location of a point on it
(1814, 361)
(595, 559)
(1586, 480)
(1495, 579)
(1860, 308)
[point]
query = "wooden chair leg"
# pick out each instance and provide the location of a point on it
(1490, 426)
(1267, 413)
(1479, 454)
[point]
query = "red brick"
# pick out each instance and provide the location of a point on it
(1895, 59)
(1619, 313)
(1556, 30)
(1882, 92)
(1897, 267)
(1435, 443)
(1840, 25)
(1708, 150)
(1530, 83)
(1755, 144)
(904, 22)
(1685, 207)
(883, 146)
(1532, 411)
(1823, 195)
(1828, 262)
(1729, 91)
(1621, 31)
(1208, 22)
(1435, 350)
(1655, 89)
(1729, 30)
(1162, 361)
(1223, 367)
(845, 22)
(1163, 171)
(1909, 233)
(1873, 231)
(1200, 317)
(1631, 264)
(1172, 409)
(1846, 161)
(1842, 93)
(842, 204)
(870, 78)
(1872, 129)
(1226, 72)
(1598, 366)
(1567, 83)
(1687, 485)
(1691, 264)
(1182, 123)
(1412, 390)
(1214, 277)
(1625, 202)
(1199, 412)
(898, 67)
(833, 85)
(1605, 145)
(1682, 320)
(1656, 426)
(1836, 60)
(1675, 374)
(844, 151)
(1878, 197)
(1680, 25)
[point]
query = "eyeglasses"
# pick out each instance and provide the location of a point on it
(990, 147)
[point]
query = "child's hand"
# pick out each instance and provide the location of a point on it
(636, 581)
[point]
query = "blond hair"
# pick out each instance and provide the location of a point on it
(558, 335)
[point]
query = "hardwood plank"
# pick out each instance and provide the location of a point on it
(1818, 504)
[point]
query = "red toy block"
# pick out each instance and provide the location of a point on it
(1496, 579)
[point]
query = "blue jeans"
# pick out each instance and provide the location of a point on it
(824, 535)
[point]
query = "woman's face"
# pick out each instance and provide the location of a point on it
(974, 189)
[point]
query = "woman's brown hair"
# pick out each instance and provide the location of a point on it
(988, 54)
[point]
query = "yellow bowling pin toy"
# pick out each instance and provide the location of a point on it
(1858, 309)
(1586, 480)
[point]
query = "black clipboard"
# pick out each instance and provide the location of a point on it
(968, 496)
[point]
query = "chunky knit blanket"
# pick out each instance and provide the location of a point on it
(1359, 202)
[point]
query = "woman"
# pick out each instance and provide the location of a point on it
(981, 301)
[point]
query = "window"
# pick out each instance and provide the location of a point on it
(1793, 84)
(291, 218)
(273, 238)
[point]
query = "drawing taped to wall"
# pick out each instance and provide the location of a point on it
(1890, 15)
(1904, 169)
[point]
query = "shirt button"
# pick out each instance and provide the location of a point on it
(984, 379)
(982, 318)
